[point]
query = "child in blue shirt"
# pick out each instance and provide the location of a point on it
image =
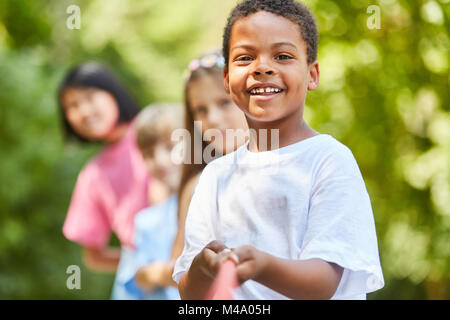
(156, 226)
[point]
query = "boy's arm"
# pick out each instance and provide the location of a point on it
(302, 279)
(296, 279)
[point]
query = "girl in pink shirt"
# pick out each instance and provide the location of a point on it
(113, 186)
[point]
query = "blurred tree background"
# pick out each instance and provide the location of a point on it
(384, 93)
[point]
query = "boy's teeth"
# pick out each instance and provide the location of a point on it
(266, 90)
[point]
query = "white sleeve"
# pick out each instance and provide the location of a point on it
(341, 227)
(198, 226)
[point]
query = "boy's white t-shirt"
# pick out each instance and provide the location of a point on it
(303, 201)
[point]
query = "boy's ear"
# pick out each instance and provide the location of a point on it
(314, 73)
(225, 80)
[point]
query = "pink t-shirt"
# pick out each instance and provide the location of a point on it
(110, 190)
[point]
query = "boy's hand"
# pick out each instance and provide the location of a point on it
(210, 258)
(197, 281)
(251, 262)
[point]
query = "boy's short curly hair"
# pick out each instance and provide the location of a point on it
(289, 9)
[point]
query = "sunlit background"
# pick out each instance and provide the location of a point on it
(383, 92)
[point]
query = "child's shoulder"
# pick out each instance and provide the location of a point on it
(335, 147)
(338, 157)
(319, 151)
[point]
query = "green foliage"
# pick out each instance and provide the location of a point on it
(384, 93)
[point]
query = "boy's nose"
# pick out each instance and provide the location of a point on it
(269, 72)
(263, 68)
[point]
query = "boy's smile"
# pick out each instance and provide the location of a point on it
(268, 74)
(264, 91)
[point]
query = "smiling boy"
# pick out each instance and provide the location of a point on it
(306, 231)
(257, 43)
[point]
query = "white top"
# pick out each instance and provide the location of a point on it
(306, 200)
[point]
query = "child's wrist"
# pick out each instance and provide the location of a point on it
(264, 262)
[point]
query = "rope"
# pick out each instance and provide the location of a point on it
(224, 283)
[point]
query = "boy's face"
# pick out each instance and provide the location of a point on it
(160, 164)
(268, 53)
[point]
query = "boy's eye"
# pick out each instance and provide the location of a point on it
(243, 58)
(283, 57)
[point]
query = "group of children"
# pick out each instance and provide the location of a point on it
(294, 216)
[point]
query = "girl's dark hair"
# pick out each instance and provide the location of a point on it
(289, 9)
(94, 75)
